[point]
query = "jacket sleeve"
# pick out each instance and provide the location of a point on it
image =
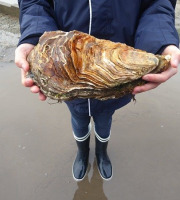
(36, 17)
(156, 28)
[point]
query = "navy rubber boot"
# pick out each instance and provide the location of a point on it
(103, 161)
(80, 165)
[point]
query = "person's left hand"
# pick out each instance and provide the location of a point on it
(155, 80)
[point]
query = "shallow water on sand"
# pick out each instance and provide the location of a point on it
(37, 148)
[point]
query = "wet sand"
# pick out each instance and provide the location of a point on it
(37, 148)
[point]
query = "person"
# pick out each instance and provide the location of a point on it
(147, 25)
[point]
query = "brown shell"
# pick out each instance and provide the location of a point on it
(68, 65)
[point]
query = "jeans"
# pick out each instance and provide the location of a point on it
(81, 123)
(101, 112)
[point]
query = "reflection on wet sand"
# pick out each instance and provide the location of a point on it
(91, 189)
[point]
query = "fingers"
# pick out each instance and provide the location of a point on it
(175, 55)
(162, 77)
(21, 54)
(35, 89)
(41, 96)
(144, 88)
(27, 82)
(155, 80)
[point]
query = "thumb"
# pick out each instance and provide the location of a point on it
(25, 66)
(20, 60)
(21, 54)
(175, 61)
(175, 55)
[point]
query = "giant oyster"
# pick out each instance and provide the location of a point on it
(68, 65)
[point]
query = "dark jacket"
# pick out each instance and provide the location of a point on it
(143, 24)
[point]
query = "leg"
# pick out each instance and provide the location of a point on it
(80, 164)
(81, 131)
(81, 126)
(103, 123)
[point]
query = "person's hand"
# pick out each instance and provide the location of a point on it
(21, 54)
(155, 80)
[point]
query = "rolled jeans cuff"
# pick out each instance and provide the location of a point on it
(81, 139)
(102, 139)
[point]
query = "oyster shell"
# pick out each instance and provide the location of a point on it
(68, 65)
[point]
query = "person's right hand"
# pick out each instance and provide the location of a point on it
(21, 54)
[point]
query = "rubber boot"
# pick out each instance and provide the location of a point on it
(80, 165)
(103, 161)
